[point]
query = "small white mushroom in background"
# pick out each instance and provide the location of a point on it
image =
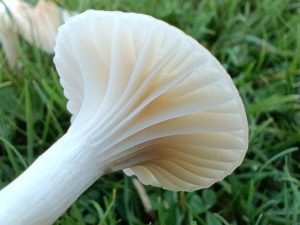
(38, 25)
(145, 98)
(8, 37)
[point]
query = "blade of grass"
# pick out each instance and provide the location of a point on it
(11, 151)
(29, 123)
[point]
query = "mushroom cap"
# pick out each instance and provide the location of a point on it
(38, 24)
(154, 100)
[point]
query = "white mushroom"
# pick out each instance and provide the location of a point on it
(38, 25)
(8, 36)
(145, 98)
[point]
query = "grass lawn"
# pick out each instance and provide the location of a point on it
(257, 41)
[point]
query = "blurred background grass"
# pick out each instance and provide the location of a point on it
(257, 41)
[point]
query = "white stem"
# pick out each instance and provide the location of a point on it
(50, 185)
(9, 42)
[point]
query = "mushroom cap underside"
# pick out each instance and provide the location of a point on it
(160, 103)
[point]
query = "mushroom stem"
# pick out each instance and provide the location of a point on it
(50, 185)
(9, 42)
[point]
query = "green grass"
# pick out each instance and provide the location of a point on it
(257, 41)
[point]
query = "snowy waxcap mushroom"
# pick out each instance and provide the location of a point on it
(8, 37)
(151, 97)
(145, 98)
(37, 25)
